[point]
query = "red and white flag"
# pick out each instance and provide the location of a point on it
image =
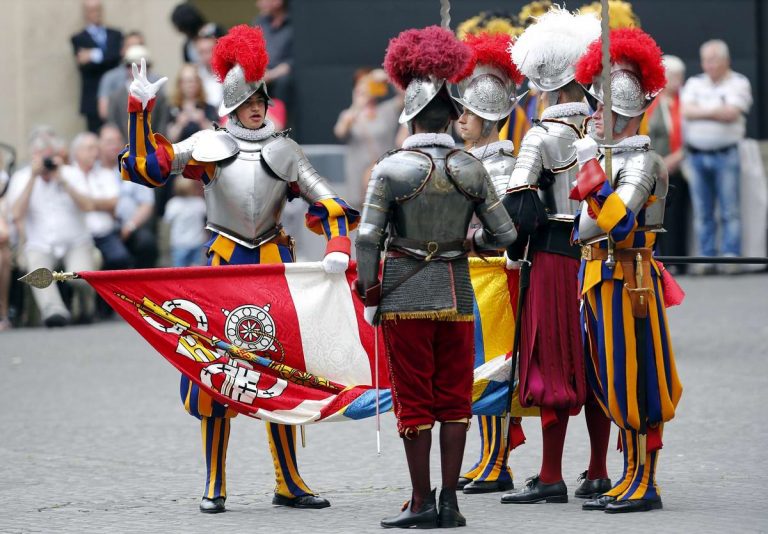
(314, 353)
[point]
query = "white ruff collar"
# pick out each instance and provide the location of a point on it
(633, 142)
(492, 148)
(246, 134)
(568, 109)
(429, 139)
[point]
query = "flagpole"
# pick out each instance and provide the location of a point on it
(607, 110)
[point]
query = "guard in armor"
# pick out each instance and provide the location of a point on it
(552, 367)
(488, 96)
(630, 363)
(418, 207)
(249, 171)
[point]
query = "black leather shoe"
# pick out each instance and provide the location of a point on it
(304, 501)
(635, 505)
(599, 503)
(536, 491)
(407, 518)
(56, 320)
(212, 506)
(448, 515)
(488, 486)
(589, 489)
(463, 481)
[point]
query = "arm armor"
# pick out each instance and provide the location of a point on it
(372, 230)
(204, 146)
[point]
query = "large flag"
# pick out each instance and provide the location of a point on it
(287, 343)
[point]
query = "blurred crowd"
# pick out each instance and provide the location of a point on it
(68, 207)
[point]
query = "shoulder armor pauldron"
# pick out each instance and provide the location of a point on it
(407, 171)
(284, 156)
(467, 173)
(213, 145)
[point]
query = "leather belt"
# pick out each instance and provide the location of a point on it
(434, 249)
(588, 252)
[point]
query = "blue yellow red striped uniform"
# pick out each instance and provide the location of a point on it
(611, 344)
(147, 161)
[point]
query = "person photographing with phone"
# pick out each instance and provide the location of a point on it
(368, 126)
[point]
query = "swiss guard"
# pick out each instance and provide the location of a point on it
(418, 208)
(487, 94)
(552, 367)
(244, 219)
(630, 363)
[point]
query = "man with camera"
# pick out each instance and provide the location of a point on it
(48, 208)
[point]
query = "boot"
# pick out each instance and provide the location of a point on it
(425, 517)
(449, 515)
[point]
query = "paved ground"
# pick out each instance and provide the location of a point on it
(93, 440)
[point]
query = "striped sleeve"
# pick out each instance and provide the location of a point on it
(335, 219)
(147, 158)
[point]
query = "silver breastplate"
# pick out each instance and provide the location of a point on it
(637, 174)
(555, 197)
(245, 200)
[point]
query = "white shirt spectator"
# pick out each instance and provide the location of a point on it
(53, 223)
(100, 184)
(131, 197)
(214, 91)
(704, 134)
(186, 217)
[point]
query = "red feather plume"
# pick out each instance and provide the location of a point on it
(432, 51)
(628, 45)
(491, 49)
(243, 45)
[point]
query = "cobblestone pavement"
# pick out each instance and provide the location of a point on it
(93, 439)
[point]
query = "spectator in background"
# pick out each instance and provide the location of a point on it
(101, 186)
(118, 99)
(666, 132)
(368, 126)
(189, 111)
(185, 214)
(188, 20)
(135, 204)
(715, 104)
(50, 207)
(97, 49)
(275, 23)
(115, 78)
(213, 91)
(5, 249)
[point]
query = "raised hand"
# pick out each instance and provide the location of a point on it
(141, 87)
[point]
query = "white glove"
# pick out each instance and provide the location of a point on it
(141, 87)
(511, 265)
(335, 262)
(586, 149)
(369, 313)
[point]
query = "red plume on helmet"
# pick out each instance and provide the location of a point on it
(243, 45)
(628, 45)
(493, 50)
(431, 51)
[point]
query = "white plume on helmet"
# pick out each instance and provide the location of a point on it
(547, 51)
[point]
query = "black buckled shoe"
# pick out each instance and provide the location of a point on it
(633, 505)
(303, 501)
(536, 491)
(589, 489)
(212, 506)
(407, 518)
(448, 515)
(463, 481)
(598, 503)
(488, 486)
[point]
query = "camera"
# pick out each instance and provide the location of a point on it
(49, 164)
